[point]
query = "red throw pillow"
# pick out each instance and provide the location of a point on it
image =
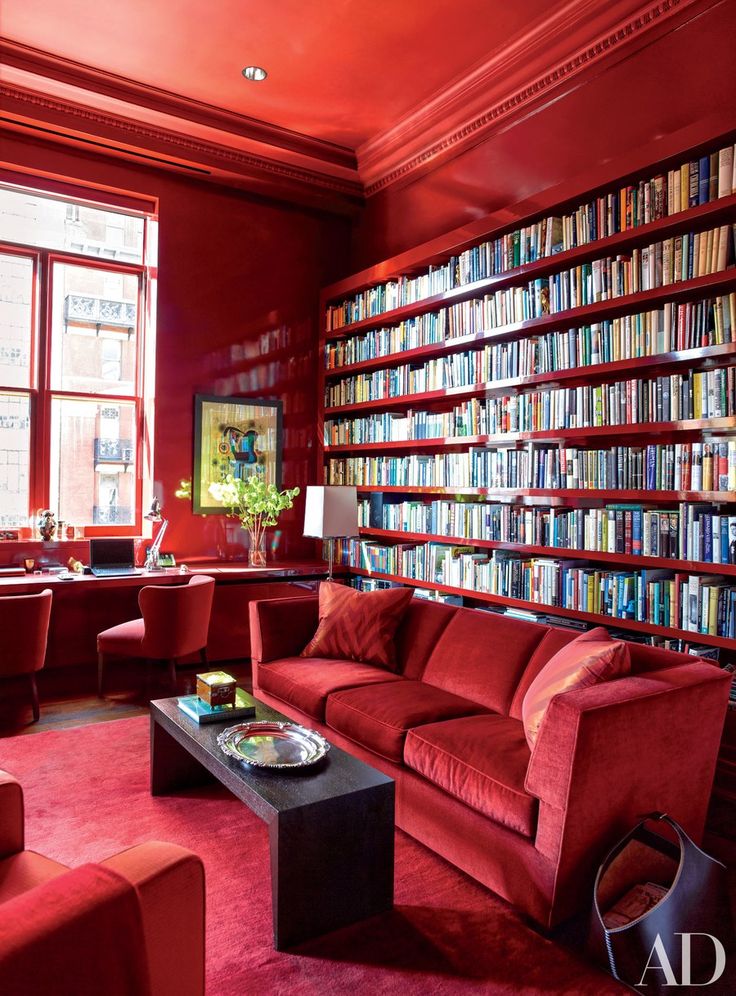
(358, 625)
(587, 660)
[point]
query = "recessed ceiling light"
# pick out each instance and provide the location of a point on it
(254, 73)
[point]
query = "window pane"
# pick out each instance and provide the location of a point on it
(16, 317)
(93, 331)
(32, 219)
(15, 420)
(92, 462)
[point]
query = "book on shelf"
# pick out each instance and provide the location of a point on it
(697, 603)
(677, 397)
(700, 532)
(201, 712)
(694, 182)
(695, 467)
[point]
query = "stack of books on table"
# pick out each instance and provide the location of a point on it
(243, 708)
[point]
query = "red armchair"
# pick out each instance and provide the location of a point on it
(148, 902)
(24, 624)
(175, 623)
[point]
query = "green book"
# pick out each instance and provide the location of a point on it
(243, 708)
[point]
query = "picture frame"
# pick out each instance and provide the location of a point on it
(240, 436)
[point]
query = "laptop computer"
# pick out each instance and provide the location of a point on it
(112, 558)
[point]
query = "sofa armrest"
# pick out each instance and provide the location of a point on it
(282, 627)
(169, 881)
(12, 836)
(611, 752)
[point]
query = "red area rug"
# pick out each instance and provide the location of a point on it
(86, 794)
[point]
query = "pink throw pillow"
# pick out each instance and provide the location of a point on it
(589, 659)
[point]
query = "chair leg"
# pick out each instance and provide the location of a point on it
(34, 698)
(172, 672)
(100, 673)
(203, 655)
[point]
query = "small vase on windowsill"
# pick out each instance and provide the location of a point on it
(257, 550)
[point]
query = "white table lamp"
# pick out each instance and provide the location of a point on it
(331, 511)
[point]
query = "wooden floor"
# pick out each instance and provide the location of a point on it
(69, 695)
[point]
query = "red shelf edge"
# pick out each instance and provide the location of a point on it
(647, 497)
(704, 425)
(661, 227)
(594, 617)
(457, 345)
(689, 566)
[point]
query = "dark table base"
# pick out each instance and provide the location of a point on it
(330, 828)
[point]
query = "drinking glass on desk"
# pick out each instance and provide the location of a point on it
(29, 563)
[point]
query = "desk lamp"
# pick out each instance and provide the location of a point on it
(154, 515)
(331, 511)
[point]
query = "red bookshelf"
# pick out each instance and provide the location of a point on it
(713, 213)
(716, 355)
(597, 495)
(668, 430)
(669, 230)
(554, 610)
(629, 560)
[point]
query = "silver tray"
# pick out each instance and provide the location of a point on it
(266, 744)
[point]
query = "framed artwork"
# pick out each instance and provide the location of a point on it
(238, 436)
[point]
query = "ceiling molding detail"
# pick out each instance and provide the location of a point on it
(131, 136)
(451, 120)
(71, 102)
(53, 67)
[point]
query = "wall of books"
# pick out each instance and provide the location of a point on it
(544, 422)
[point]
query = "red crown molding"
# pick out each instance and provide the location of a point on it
(512, 82)
(71, 122)
(45, 65)
(123, 117)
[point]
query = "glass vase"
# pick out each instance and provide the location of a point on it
(257, 550)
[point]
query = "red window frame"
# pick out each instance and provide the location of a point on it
(40, 392)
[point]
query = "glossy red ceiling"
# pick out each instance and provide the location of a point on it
(339, 70)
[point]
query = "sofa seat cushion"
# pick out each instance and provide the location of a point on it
(480, 760)
(378, 717)
(305, 682)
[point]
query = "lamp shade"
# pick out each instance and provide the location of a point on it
(331, 511)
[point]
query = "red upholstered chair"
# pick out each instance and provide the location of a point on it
(175, 622)
(53, 921)
(24, 628)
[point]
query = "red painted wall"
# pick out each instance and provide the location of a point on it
(666, 89)
(232, 267)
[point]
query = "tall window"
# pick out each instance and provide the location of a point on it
(74, 290)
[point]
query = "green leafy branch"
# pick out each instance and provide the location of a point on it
(257, 504)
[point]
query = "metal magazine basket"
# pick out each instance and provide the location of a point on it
(661, 913)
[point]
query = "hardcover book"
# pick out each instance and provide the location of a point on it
(199, 711)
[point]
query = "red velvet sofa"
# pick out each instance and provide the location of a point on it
(531, 825)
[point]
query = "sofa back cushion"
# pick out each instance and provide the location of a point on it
(482, 656)
(591, 658)
(421, 627)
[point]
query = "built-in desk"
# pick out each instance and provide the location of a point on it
(85, 606)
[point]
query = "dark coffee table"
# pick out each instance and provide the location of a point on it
(330, 826)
